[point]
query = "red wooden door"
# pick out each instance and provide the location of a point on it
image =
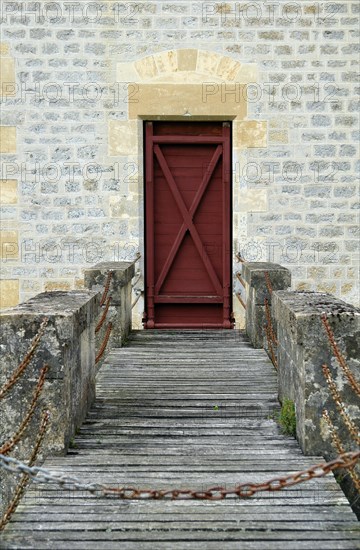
(188, 225)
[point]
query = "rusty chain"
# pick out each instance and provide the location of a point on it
(9, 445)
(136, 259)
(138, 296)
(25, 362)
(104, 315)
(240, 258)
(335, 440)
(268, 282)
(107, 287)
(138, 277)
(104, 299)
(20, 489)
(242, 490)
(238, 295)
(271, 349)
(341, 360)
(336, 443)
(340, 405)
(269, 322)
(104, 343)
(240, 279)
(269, 329)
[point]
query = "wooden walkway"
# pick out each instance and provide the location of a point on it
(184, 409)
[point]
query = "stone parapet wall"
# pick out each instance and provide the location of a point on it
(67, 347)
(316, 352)
(303, 348)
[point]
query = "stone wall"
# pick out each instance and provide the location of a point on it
(303, 349)
(77, 80)
(259, 289)
(67, 347)
(120, 294)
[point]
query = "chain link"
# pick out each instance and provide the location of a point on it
(270, 334)
(269, 322)
(240, 258)
(335, 440)
(105, 343)
(104, 315)
(20, 489)
(269, 329)
(238, 295)
(340, 405)
(25, 362)
(41, 475)
(341, 360)
(271, 349)
(107, 287)
(268, 282)
(243, 490)
(336, 443)
(9, 445)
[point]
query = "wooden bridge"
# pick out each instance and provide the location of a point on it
(184, 410)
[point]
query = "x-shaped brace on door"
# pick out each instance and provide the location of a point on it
(188, 219)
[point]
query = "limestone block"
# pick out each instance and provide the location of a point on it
(9, 245)
(9, 293)
(160, 99)
(228, 68)
(8, 192)
(187, 59)
(166, 62)
(247, 73)
(7, 76)
(146, 67)
(7, 139)
(279, 136)
(4, 48)
(326, 286)
(57, 285)
(123, 207)
(208, 62)
(253, 200)
(123, 137)
(126, 72)
(250, 133)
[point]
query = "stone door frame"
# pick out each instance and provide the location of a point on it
(193, 85)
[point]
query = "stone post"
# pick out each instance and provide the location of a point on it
(120, 292)
(67, 347)
(254, 274)
(303, 348)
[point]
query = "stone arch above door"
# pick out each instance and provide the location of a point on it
(191, 83)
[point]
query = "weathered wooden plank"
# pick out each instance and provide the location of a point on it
(201, 545)
(111, 515)
(161, 526)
